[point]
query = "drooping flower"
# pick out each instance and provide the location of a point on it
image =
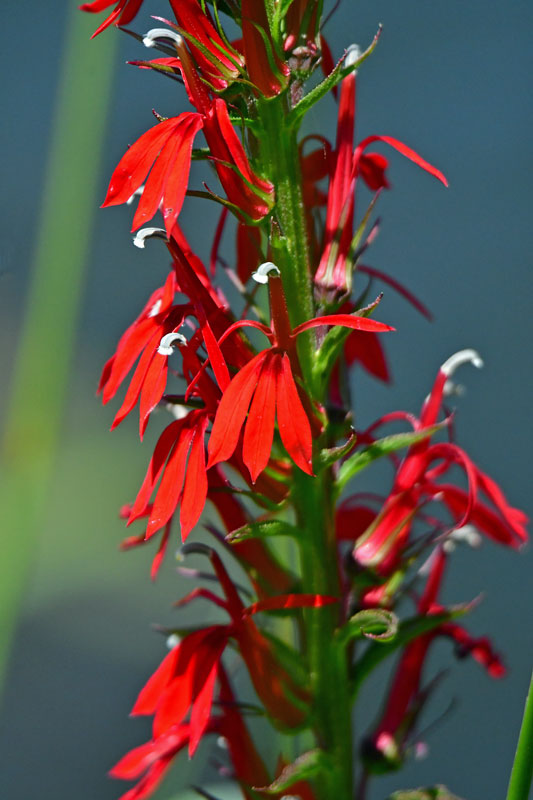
(416, 484)
(265, 390)
(165, 150)
(406, 697)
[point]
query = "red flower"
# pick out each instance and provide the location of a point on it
(158, 318)
(416, 485)
(406, 698)
(219, 63)
(266, 69)
(124, 12)
(166, 150)
(265, 390)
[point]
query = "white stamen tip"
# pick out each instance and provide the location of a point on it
(222, 742)
(173, 641)
(451, 388)
(353, 54)
(467, 534)
(177, 410)
(150, 39)
(167, 343)
(147, 233)
(467, 356)
(137, 193)
(263, 271)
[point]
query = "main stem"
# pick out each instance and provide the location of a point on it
(311, 496)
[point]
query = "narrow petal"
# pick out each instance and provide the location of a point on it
(293, 424)
(134, 165)
(347, 321)
(137, 380)
(195, 487)
(283, 601)
(232, 411)
(162, 449)
(401, 148)
(259, 430)
(152, 691)
(152, 391)
(171, 485)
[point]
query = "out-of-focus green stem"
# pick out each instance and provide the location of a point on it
(41, 370)
(522, 772)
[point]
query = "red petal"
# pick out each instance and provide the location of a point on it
(155, 467)
(195, 487)
(161, 550)
(137, 380)
(293, 425)
(232, 411)
(401, 148)
(366, 348)
(152, 391)
(201, 708)
(282, 601)
(259, 430)
(134, 165)
(152, 691)
(346, 320)
(169, 491)
(128, 350)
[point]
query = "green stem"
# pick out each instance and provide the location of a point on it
(281, 163)
(522, 772)
(326, 655)
(312, 496)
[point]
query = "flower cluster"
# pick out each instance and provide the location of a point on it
(259, 420)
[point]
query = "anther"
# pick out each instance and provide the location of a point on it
(467, 356)
(147, 233)
(353, 54)
(173, 641)
(263, 271)
(150, 39)
(137, 193)
(168, 342)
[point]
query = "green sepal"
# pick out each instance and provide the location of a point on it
(303, 768)
(329, 83)
(329, 456)
(372, 623)
(380, 448)
(407, 631)
(263, 529)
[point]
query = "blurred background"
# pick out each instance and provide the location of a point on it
(449, 79)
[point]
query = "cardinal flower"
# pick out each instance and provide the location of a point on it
(266, 69)
(406, 696)
(265, 390)
(165, 150)
(416, 484)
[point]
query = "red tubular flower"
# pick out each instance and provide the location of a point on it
(265, 390)
(123, 13)
(166, 150)
(301, 24)
(219, 64)
(266, 70)
(158, 318)
(405, 697)
(416, 484)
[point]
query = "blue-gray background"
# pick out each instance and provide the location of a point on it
(450, 79)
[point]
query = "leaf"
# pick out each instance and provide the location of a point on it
(380, 448)
(304, 767)
(407, 631)
(260, 530)
(335, 77)
(373, 623)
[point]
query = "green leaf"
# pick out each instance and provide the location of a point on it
(407, 631)
(335, 77)
(304, 767)
(380, 448)
(373, 623)
(427, 793)
(260, 530)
